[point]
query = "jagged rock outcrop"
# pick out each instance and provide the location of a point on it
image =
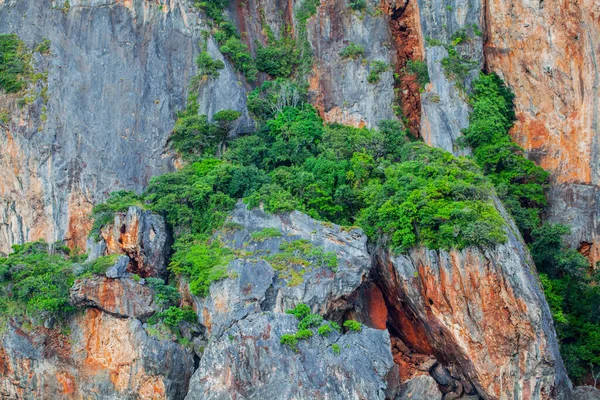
(119, 297)
(249, 362)
(549, 55)
(142, 236)
(482, 309)
(103, 357)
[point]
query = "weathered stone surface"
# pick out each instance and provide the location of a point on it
(420, 387)
(249, 362)
(103, 358)
(320, 286)
(117, 74)
(445, 111)
(118, 270)
(482, 309)
(143, 237)
(549, 56)
(119, 297)
(586, 393)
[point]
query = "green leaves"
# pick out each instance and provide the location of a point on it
(14, 64)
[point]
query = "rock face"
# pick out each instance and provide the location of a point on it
(244, 314)
(117, 74)
(445, 111)
(251, 363)
(550, 57)
(103, 357)
(484, 310)
(142, 236)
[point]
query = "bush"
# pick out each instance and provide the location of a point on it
(173, 316)
(325, 330)
(15, 65)
(418, 68)
(353, 51)
(300, 311)
(310, 321)
(518, 181)
(264, 234)
(33, 281)
(207, 67)
(376, 68)
(165, 295)
(279, 58)
(358, 5)
(353, 326)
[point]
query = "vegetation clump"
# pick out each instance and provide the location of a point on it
(376, 68)
(264, 234)
(353, 51)
(419, 69)
(15, 64)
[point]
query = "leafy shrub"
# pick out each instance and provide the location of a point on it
(325, 330)
(172, 316)
(104, 213)
(266, 101)
(353, 325)
(279, 58)
(358, 5)
(304, 334)
(376, 68)
(264, 234)
(102, 264)
(201, 260)
(15, 65)
(163, 294)
(207, 66)
(290, 340)
(456, 66)
(418, 68)
(33, 281)
(310, 321)
(518, 181)
(353, 51)
(335, 348)
(300, 311)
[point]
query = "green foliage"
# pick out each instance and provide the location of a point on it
(202, 261)
(358, 5)
(34, 281)
(518, 181)
(335, 348)
(104, 213)
(456, 66)
(573, 296)
(266, 101)
(353, 325)
(310, 321)
(280, 57)
(376, 68)
(43, 47)
(353, 51)
(325, 330)
(172, 316)
(290, 340)
(165, 295)
(207, 67)
(300, 311)
(304, 334)
(15, 67)
(418, 68)
(102, 264)
(264, 234)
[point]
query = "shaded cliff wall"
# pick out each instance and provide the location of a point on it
(117, 74)
(549, 54)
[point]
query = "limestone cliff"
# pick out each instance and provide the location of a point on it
(459, 324)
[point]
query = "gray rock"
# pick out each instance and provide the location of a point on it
(444, 108)
(118, 270)
(95, 249)
(249, 362)
(319, 286)
(586, 393)
(421, 387)
(143, 236)
(119, 297)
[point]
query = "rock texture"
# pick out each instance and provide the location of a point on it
(484, 310)
(549, 55)
(142, 236)
(117, 74)
(251, 363)
(104, 357)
